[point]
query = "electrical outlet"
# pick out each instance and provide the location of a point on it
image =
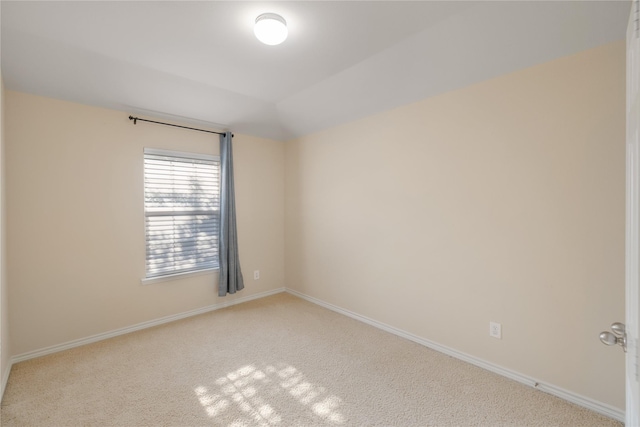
(495, 330)
(256, 274)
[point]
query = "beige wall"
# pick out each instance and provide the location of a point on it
(501, 201)
(5, 343)
(76, 220)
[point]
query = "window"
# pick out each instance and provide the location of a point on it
(181, 207)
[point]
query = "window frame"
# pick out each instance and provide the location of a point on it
(172, 275)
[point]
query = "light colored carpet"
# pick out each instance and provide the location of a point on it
(278, 361)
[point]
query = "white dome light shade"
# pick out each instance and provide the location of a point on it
(271, 29)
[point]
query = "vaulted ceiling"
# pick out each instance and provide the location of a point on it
(199, 62)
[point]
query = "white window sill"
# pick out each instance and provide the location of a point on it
(169, 277)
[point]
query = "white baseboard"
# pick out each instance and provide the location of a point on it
(5, 379)
(144, 325)
(583, 401)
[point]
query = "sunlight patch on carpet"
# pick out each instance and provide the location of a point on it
(257, 393)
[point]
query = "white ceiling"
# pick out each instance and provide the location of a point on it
(199, 62)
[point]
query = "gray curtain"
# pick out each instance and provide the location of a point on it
(230, 274)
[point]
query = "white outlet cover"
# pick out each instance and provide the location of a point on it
(495, 330)
(256, 274)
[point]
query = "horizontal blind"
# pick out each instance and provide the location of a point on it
(182, 208)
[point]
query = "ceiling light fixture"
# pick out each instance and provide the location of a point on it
(271, 29)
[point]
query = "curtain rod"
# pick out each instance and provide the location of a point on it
(135, 120)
